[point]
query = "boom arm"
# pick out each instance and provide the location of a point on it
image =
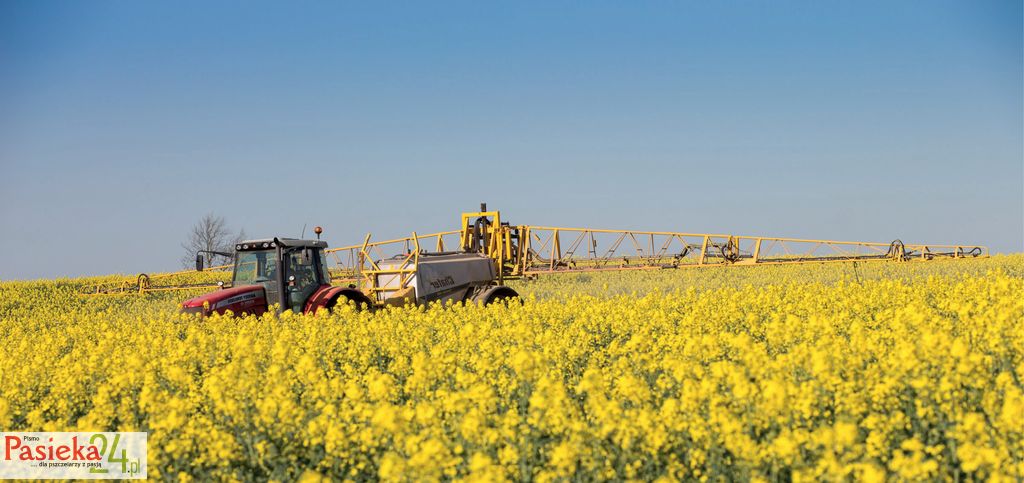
(526, 250)
(529, 250)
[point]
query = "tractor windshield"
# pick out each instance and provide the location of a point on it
(255, 267)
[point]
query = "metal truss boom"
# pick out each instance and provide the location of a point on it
(529, 250)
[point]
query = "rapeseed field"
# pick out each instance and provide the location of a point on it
(875, 371)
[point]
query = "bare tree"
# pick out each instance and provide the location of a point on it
(210, 233)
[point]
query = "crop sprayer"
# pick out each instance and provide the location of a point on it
(307, 276)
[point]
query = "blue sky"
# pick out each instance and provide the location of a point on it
(121, 123)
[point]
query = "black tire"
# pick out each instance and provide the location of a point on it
(361, 301)
(497, 294)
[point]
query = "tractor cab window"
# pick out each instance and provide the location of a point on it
(302, 264)
(255, 267)
(326, 274)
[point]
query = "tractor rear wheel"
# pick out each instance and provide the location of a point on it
(360, 300)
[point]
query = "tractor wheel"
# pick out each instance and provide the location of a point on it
(497, 294)
(361, 301)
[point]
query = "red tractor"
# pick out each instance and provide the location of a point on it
(284, 271)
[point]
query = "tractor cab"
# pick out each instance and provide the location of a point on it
(289, 270)
(283, 271)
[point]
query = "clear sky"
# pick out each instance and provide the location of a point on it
(123, 122)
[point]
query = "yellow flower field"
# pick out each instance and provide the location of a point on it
(878, 371)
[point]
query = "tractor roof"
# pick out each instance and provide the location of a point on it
(285, 242)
